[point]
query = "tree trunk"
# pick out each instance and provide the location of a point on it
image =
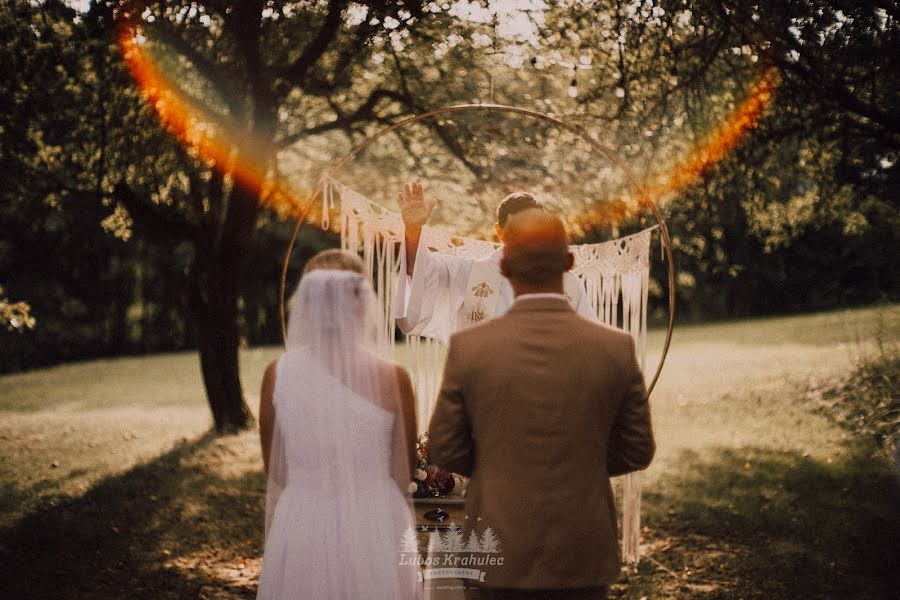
(215, 278)
(213, 307)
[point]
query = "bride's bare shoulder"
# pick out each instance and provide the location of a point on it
(390, 373)
(393, 374)
(271, 370)
(389, 368)
(402, 375)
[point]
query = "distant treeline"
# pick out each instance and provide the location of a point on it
(94, 295)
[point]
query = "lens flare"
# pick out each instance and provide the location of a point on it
(722, 140)
(690, 169)
(226, 146)
(207, 136)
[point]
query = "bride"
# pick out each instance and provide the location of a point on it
(337, 421)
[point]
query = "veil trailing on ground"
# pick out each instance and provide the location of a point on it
(337, 500)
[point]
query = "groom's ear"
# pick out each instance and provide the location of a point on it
(570, 261)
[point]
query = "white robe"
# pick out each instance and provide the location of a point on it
(430, 303)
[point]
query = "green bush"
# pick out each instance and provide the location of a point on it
(866, 401)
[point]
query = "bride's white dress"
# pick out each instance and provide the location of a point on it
(336, 526)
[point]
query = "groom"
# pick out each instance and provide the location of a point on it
(540, 407)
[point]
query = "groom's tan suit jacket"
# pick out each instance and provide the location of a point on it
(540, 406)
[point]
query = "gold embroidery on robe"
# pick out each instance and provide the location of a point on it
(476, 316)
(482, 293)
(483, 290)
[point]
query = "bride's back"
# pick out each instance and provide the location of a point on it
(335, 501)
(329, 420)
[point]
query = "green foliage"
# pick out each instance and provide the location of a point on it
(15, 316)
(798, 215)
(867, 400)
(110, 227)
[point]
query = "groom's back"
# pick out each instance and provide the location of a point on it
(550, 375)
(549, 379)
(542, 388)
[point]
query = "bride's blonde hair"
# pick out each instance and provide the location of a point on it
(334, 259)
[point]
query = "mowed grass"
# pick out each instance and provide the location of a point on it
(111, 486)
(65, 427)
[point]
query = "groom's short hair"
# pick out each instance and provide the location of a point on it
(334, 259)
(515, 203)
(536, 247)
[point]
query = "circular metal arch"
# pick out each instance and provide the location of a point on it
(609, 154)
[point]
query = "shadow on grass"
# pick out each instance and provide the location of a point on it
(748, 523)
(759, 523)
(17, 500)
(165, 529)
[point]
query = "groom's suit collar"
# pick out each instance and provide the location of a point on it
(541, 304)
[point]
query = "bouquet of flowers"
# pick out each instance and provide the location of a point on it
(429, 480)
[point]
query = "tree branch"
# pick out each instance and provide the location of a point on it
(158, 222)
(804, 69)
(297, 72)
(210, 70)
(365, 112)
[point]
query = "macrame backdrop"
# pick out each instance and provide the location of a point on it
(615, 275)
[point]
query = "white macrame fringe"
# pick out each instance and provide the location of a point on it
(616, 276)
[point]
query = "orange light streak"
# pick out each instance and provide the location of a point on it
(223, 147)
(699, 161)
(720, 142)
(226, 147)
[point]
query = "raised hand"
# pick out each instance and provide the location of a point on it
(413, 208)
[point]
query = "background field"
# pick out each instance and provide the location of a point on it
(110, 484)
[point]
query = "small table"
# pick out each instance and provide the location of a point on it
(454, 505)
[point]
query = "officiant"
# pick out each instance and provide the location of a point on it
(439, 294)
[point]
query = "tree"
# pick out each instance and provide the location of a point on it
(785, 219)
(53, 122)
(124, 239)
(261, 61)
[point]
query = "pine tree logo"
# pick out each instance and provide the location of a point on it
(409, 542)
(490, 543)
(453, 539)
(438, 543)
(473, 545)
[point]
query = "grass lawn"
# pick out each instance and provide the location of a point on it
(110, 485)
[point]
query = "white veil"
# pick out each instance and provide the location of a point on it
(337, 500)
